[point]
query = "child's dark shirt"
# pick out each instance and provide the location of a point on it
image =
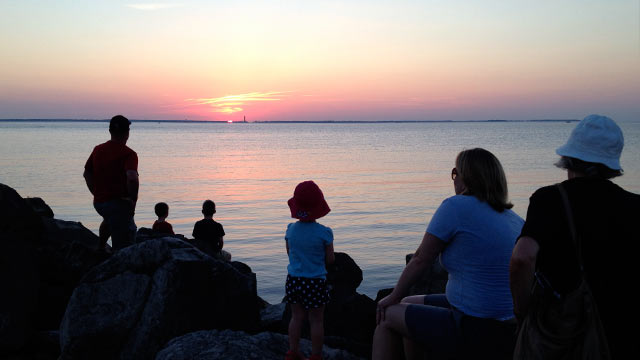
(163, 227)
(209, 231)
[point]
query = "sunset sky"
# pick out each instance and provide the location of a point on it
(320, 60)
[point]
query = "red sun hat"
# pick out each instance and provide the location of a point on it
(308, 203)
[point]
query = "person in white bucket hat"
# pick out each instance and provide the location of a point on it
(604, 217)
(597, 140)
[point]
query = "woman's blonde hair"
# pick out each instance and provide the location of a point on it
(483, 177)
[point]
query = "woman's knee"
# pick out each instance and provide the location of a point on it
(394, 318)
(414, 299)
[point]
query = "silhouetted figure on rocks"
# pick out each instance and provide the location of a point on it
(111, 174)
(161, 225)
(209, 234)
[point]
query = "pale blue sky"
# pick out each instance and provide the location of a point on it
(351, 60)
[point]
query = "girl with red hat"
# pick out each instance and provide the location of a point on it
(310, 249)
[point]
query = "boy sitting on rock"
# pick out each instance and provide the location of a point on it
(161, 225)
(208, 234)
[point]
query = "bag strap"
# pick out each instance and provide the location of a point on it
(604, 344)
(572, 227)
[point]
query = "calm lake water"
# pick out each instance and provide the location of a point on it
(382, 181)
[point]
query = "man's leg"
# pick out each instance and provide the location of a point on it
(104, 233)
(119, 216)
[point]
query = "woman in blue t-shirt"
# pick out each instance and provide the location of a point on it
(310, 249)
(474, 233)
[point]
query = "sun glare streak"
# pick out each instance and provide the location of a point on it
(230, 104)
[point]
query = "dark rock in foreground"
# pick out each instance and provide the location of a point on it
(349, 314)
(237, 345)
(40, 207)
(271, 318)
(41, 262)
(20, 231)
(344, 276)
(129, 306)
(145, 234)
(67, 251)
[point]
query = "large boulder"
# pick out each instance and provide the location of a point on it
(42, 261)
(349, 314)
(20, 230)
(40, 207)
(237, 345)
(271, 318)
(145, 234)
(66, 252)
(129, 306)
(343, 276)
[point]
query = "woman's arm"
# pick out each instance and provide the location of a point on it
(521, 269)
(430, 247)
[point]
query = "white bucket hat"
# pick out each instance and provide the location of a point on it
(596, 139)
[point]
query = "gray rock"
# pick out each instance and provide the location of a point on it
(145, 234)
(271, 318)
(146, 294)
(20, 231)
(344, 276)
(66, 252)
(40, 207)
(41, 261)
(236, 345)
(349, 314)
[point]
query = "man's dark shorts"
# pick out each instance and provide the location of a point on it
(118, 215)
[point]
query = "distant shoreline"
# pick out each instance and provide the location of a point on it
(291, 121)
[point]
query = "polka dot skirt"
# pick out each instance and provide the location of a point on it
(311, 293)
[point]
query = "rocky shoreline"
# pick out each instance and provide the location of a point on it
(162, 298)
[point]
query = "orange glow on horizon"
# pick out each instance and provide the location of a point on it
(230, 104)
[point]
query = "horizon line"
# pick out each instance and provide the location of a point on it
(290, 121)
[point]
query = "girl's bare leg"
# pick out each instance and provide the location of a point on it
(298, 314)
(316, 323)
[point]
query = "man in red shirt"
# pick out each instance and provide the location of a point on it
(111, 174)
